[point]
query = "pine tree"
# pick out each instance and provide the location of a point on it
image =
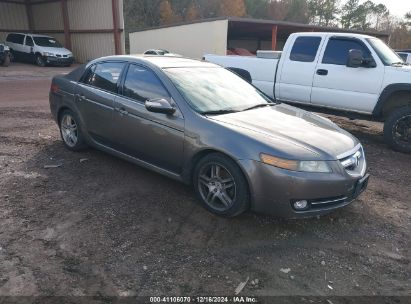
(235, 8)
(192, 13)
(167, 15)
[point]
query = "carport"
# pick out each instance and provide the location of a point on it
(89, 28)
(255, 34)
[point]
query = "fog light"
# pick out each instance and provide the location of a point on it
(300, 205)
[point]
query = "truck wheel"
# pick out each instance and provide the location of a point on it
(6, 61)
(397, 129)
(40, 61)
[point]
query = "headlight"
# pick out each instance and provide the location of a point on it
(295, 165)
(47, 54)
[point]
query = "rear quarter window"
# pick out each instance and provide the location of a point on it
(305, 49)
(15, 38)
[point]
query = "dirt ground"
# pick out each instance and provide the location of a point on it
(99, 226)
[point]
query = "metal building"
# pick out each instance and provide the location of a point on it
(220, 34)
(89, 28)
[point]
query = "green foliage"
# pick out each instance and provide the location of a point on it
(350, 14)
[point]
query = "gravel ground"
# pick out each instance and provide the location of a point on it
(98, 226)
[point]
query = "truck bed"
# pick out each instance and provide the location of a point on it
(262, 70)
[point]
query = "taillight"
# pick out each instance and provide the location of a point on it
(54, 88)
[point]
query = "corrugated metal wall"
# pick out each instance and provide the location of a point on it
(86, 19)
(84, 15)
(12, 16)
(47, 16)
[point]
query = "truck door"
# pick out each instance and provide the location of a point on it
(338, 86)
(296, 72)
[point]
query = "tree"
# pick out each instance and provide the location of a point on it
(407, 18)
(257, 8)
(232, 8)
(380, 13)
(297, 11)
(192, 13)
(323, 12)
(167, 15)
(349, 13)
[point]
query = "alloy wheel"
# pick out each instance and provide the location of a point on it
(69, 130)
(217, 186)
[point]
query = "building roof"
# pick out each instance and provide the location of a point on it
(263, 28)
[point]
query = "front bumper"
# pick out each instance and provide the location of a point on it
(273, 190)
(59, 60)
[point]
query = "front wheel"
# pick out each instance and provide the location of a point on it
(221, 186)
(40, 61)
(397, 129)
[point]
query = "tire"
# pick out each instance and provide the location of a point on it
(221, 186)
(40, 61)
(70, 131)
(12, 56)
(6, 61)
(397, 129)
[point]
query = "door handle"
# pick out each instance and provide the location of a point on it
(80, 97)
(122, 111)
(322, 72)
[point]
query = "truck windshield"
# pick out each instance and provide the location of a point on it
(386, 54)
(47, 42)
(215, 90)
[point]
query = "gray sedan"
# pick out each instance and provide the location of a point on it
(203, 125)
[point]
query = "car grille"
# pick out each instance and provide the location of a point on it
(61, 56)
(354, 161)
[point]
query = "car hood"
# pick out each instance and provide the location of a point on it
(54, 50)
(317, 136)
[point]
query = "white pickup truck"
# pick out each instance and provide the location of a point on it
(348, 72)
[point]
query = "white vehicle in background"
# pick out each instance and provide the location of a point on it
(347, 72)
(406, 56)
(160, 52)
(39, 49)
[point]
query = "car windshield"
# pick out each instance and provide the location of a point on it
(386, 54)
(47, 42)
(215, 90)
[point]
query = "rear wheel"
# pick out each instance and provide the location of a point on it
(40, 61)
(397, 129)
(70, 131)
(221, 185)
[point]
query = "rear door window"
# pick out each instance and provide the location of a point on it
(337, 50)
(29, 41)
(142, 84)
(305, 49)
(104, 76)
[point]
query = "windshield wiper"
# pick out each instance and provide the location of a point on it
(398, 63)
(260, 106)
(218, 112)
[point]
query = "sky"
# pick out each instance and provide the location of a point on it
(396, 7)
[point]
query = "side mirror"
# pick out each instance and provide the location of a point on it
(159, 105)
(355, 59)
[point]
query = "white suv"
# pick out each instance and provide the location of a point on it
(39, 49)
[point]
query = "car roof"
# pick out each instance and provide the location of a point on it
(322, 34)
(33, 35)
(162, 62)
